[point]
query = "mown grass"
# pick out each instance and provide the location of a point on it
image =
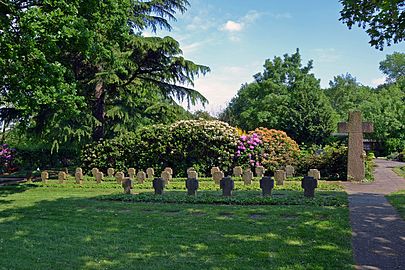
(179, 184)
(400, 171)
(397, 199)
(52, 226)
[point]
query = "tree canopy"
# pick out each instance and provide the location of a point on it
(384, 106)
(384, 20)
(284, 96)
(394, 66)
(81, 69)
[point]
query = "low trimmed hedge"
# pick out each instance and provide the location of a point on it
(338, 199)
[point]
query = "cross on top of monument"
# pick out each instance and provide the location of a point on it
(355, 124)
(355, 161)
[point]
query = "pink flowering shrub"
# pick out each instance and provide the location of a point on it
(270, 148)
(7, 155)
(249, 150)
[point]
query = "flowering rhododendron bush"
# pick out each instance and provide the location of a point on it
(249, 150)
(198, 143)
(270, 148)
(278, 149)
(6, 159)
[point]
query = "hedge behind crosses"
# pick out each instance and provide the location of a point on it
(200, 144)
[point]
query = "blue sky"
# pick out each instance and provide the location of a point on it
(235, 37)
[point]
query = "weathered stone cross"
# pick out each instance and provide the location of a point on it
(355, 160)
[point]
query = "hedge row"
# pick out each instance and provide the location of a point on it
(195, 143)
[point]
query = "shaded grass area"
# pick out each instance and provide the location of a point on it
(397, 199)
(69, 228)
(400, 171)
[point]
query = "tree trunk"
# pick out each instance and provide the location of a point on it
(3, 135)
(99, 111)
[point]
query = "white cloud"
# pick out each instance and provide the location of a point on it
(378, 81)
(236, 26)
(232, 26)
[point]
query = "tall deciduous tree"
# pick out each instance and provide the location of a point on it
(284, 96)
(384, 20)
(384, 106)
(387, 111)
(346, 94)
(394, 66)
(78, 68)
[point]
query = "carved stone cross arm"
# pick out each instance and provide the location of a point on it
(366, 127)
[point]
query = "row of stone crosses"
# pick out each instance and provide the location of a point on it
(309, 183)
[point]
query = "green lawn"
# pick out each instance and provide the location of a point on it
(397, 199)
(71, 227)
(400, 171)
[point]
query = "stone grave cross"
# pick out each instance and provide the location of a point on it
(355, 128)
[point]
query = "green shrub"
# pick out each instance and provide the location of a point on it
(331, 161)
(369, 167)
(394, 145)
(202, 144)
(40, 156)
(398, 156)
(401, 156)
(115, 153)
(336, 199)
(198, 143)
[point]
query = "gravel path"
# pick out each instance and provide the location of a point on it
(378, 237)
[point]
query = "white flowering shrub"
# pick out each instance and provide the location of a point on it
(202, 144)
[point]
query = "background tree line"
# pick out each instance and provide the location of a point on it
(74, 72)
(287, 96)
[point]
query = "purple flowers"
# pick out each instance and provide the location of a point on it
(6, 158)
(249, 149)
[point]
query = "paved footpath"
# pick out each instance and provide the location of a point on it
(378, 237)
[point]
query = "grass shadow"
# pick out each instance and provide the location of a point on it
(85, 233)
(12, 189)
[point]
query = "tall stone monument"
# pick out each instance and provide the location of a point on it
(355, 160)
